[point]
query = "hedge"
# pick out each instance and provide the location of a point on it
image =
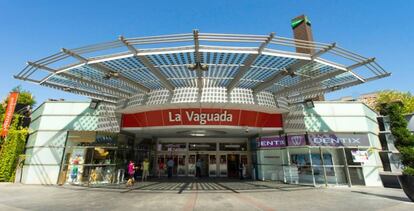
(404, 140)
(12, 148)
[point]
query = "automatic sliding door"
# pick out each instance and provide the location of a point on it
(161, 161)
(181, 165)
(191, 165)
(223, 166)
(212, 162)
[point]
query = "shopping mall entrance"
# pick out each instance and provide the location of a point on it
(100, 158)
(216, 158)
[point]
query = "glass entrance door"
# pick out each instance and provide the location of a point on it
(223, 166)
(212, 166)
(161, 161)
(192, 165)
(181, 170)
(233, 161)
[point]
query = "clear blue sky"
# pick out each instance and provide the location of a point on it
(31, 30)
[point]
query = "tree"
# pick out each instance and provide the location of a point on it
(404, 140)
(389, 96)
(13, 146)
(25, 97)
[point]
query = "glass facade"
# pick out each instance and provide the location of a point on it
(94, 158)
(311, 165)
(218, 158)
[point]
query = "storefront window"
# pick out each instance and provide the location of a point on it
(93, 158)
(355, 169)
(335, 167)
(319, 165)
(272, 165)
(300, 166)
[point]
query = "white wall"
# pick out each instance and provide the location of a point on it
(48, 131)
(340, 117)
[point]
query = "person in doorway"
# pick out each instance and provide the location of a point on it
(198, 168)
(160, 168)
(145, 169)
(241, 168)
(244, 170)
(74, 174)
(138, 170)
(170, 166)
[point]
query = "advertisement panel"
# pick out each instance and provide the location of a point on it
(359, 156)
(337, 140)
(11, 105)
(296, 140)
(272, 141)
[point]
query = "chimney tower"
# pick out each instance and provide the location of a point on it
(302, 30)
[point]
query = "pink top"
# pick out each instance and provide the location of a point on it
(130, 168)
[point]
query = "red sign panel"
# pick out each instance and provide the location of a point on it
(201, 116)
(11, 105)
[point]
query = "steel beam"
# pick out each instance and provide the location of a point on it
(307, 94)
(292, 69)
(359, 64)
(269, 82)
(81, 91)
(107, 71)
(146, 62)
(76, 56)
(322, 51)
(197, 56)
(248, 63)
(99, 86)
(308, 82)
(339, 86)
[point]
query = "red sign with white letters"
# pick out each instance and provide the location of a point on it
(201, 116)
(11, 105)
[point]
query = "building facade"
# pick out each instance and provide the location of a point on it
(72, 143)
(233, 103)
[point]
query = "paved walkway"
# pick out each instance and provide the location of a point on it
(201, 195)
(182, 185)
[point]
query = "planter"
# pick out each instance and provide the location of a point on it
(390, 180)
(407, 184)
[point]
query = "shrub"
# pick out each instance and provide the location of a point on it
(404, 140)
(12, 148)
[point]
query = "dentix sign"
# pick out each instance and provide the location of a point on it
(338, 140)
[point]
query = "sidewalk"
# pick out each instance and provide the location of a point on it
(238, 195)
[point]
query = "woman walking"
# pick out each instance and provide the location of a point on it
(160, 168)
(131, 172)
(145, 169)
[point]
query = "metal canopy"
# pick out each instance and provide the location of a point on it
(116, 70)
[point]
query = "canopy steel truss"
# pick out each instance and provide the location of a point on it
(259, 63)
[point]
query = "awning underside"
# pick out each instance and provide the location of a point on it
(120, 69)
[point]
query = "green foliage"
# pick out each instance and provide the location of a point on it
(389, 96)
(2, 109)
(12, 148)
(409, 171)
(25, 97)
(404, 140)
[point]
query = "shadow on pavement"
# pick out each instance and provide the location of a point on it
(384, 196)
(181, 185)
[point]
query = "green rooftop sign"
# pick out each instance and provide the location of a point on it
(296, 22)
